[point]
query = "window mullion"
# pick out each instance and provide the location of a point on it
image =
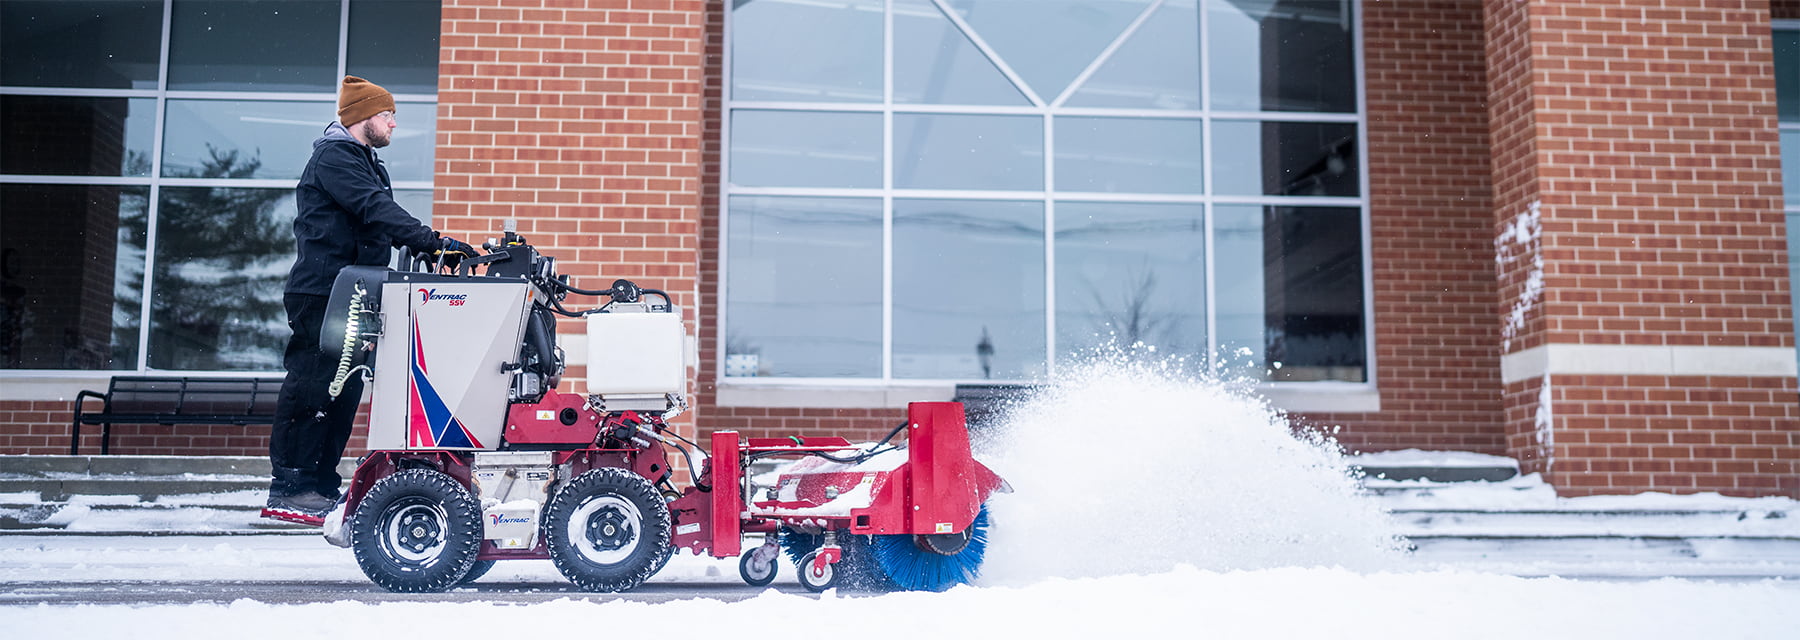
(993, 56)
(152, 207)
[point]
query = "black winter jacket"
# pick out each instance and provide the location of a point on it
(347, 214)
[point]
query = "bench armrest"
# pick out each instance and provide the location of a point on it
(75, 419)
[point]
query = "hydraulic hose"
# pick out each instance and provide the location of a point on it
(352, 331)
(537, 332)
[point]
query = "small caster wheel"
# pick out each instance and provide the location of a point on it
(758, 572)
(814, 576)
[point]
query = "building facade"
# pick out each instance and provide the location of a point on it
(1553, 229)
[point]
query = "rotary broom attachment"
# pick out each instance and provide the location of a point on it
(881, 518)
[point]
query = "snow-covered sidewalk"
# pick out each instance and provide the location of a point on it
(1146, 506)
(1182, 602)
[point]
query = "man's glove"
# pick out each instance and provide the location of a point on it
(455, 251)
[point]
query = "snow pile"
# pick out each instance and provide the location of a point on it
(1133, 468)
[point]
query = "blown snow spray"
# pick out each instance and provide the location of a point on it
(1129, 467)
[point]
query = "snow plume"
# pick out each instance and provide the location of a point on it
(1521, 238)
(1131, 468)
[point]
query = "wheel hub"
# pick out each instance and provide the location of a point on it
(609, 529)
(416, 531)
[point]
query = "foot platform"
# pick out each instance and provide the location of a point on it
(297, 517)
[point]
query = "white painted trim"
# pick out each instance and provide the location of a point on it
(816, 397)
(1321, 398)
(1665, 360)
(59, 386)
(62, 386)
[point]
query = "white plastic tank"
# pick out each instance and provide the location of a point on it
(633, 353)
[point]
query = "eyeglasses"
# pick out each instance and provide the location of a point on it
(388, 115)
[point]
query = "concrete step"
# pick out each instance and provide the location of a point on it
(235, 512)
(1439, 474)
(1652, 555)
(60, 478)
(1434, 466)
(1598, 522)
(138, 495)
(146, 488)
(59, 466)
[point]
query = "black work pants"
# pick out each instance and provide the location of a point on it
(311, 428)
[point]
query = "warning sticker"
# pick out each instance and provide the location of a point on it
(544, 414)
(687, 529)
(945, 527)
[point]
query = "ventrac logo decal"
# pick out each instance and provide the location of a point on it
(454, 299)
(506, 519)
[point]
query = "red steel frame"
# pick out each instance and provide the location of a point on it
(940, 488)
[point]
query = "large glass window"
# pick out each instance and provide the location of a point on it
(980, 189)
(107, 44)
(1787, 98)
(146, 187)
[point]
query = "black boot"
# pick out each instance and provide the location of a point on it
(289, 481)
(306, 504)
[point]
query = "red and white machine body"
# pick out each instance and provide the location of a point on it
(466, 416)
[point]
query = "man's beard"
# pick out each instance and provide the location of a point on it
(377, 136)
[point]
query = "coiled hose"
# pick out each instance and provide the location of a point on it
(352, 331)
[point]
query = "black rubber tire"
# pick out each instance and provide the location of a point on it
(817, 579)
(758, 578)
(608, 530)
(857, 570)
(476, 570)
(416, 531)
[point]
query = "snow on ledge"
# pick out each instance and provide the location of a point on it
(1440, 459)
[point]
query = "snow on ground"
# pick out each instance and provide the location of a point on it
(1181, 602)
(1146, 504)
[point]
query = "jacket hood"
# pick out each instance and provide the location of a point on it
(335, 132)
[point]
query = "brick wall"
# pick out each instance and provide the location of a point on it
(1516, 219)
(1629, 434)
(1660, 170)
(1638, 187)
(40, 427)
(581, 120)
(1436, 363)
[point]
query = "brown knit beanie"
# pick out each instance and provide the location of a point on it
(359, 100)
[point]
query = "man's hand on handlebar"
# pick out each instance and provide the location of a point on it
(454, 252)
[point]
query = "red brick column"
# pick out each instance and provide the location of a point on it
(581, 120)
(1436, 365)
(1646, 337)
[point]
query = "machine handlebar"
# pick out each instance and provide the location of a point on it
(541, 273)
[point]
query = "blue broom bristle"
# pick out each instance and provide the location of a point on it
(796, 544)
(915, 569)
(857, 570)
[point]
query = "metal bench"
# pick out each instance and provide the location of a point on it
(173, 400)
(987, 404)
